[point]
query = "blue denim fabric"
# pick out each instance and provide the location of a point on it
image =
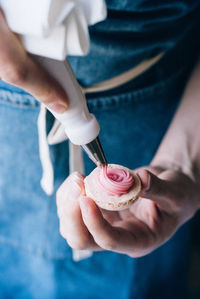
(35, 262)
(135, 30)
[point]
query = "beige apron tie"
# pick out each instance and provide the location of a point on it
(76, 164)
(47, 180)
(56, 136)
(124, 77)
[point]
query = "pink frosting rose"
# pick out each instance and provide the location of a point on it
(114, 181)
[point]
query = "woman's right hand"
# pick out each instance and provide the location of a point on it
(17, 68)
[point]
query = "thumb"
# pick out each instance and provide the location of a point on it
(162, 191)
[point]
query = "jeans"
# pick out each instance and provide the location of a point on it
(35, 261)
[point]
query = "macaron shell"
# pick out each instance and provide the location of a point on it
(112, 203)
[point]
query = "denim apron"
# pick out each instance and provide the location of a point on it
(35, 261)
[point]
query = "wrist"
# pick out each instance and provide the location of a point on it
(178, 151)
(167, 161)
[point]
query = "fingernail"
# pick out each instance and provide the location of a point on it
(148, 186)
(77, 176)
(145, 178)
(76, 182)
(59, 107)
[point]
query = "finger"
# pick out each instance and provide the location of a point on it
(69, 191)
(106, 236)
(155, 170)
(72, 227)
(17, 68)
(159, 190)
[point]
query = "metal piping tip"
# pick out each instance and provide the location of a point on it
(95, 152)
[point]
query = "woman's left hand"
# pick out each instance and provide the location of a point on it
(168, 199)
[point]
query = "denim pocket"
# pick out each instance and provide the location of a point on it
(173, 84)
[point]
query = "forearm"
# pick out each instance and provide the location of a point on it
(181, 144)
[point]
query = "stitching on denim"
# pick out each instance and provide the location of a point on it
(18, 99)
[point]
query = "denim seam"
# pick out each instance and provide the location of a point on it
(18, 99)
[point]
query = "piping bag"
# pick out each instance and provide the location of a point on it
(81, 127)
(50, 30)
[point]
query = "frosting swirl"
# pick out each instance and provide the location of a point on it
(114, 181)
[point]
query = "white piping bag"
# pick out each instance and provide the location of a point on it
(52, 29)
(80, 126)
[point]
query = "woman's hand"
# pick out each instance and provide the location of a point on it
(168, 199)
(17, 68)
